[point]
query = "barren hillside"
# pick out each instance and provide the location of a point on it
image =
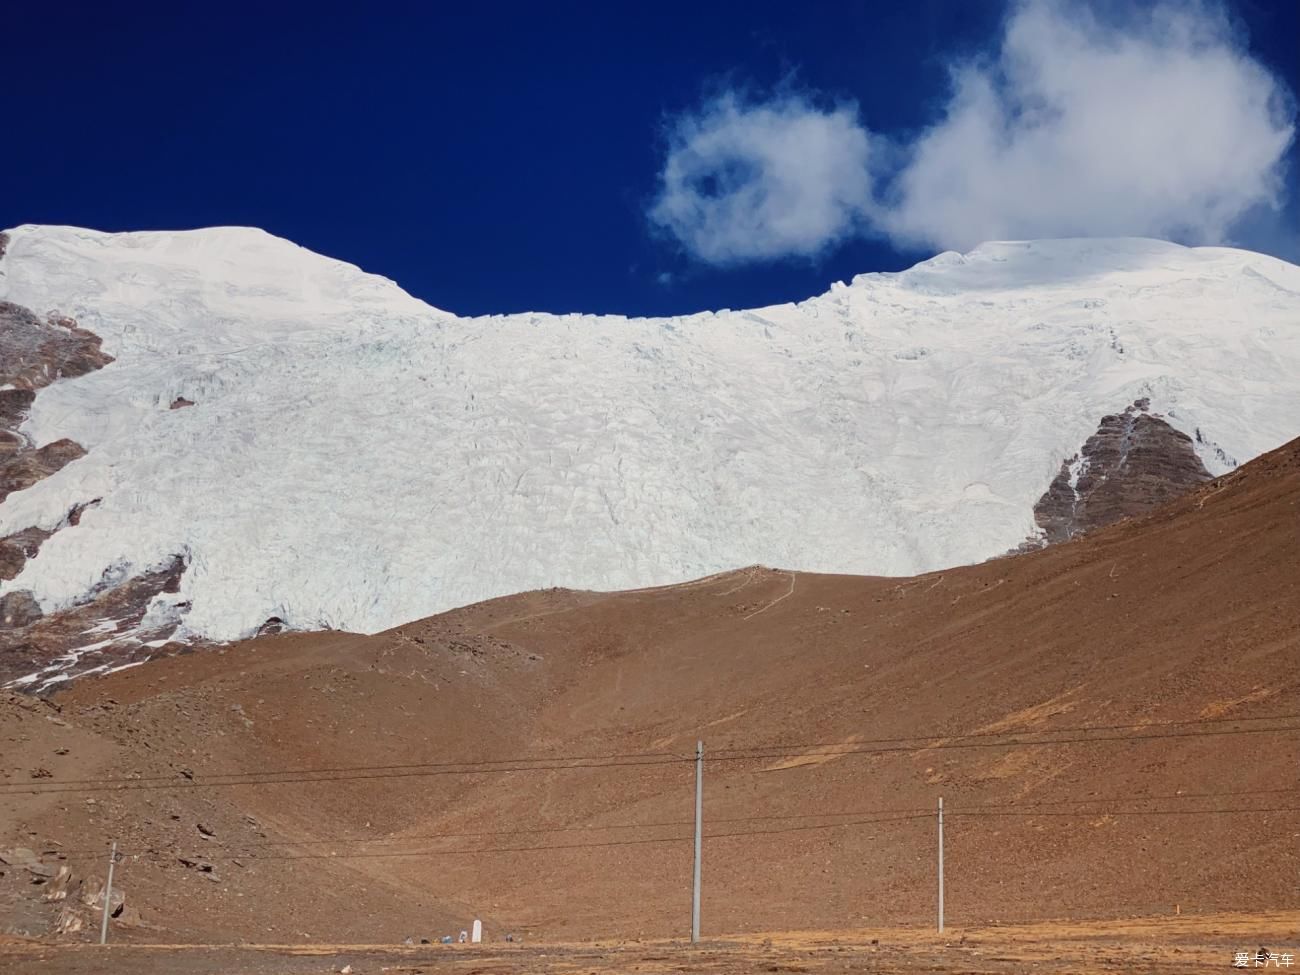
(1100, 718)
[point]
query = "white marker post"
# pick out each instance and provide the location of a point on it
(476, 932)
(941, 864)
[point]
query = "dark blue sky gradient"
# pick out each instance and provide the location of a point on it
(489, 157)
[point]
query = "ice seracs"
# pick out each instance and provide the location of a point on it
(355, 458)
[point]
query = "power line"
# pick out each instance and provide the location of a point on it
(186, 773)
(757, 753)
(1094, 813)
(205, 856)
(1010, 808)
(1134, 726)
(159, 855)
(367, 840)
(128, 785)
(1013, 743)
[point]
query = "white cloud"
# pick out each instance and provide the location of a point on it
(1159, 127)
(1162, 125)
(747, 182)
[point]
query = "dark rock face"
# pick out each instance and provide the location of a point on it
(107, 627)
(17, 548)
(1132, 464)
(18, 610)
(103, 630)
(33, 354)
(25, 467)
(272, 626)
(180, 402)
(14, 406)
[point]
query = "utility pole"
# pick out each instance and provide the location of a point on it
(108, 896)
(941, 864)
(699, 836)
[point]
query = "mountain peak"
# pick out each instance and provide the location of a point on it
(349, 457)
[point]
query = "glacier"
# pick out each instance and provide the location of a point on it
(356, 458)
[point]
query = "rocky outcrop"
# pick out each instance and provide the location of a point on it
(26, 467)
(106, 630)
(1134, 462)
(17, 548)
(43, 890)
(35, 352)
(108, 627)
(18, 610)
(272, 626)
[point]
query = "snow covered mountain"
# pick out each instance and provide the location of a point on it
(350, 457)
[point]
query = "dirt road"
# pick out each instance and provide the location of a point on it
(1166, 945)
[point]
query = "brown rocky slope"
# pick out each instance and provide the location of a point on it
(1092, 715)
(1134, 463)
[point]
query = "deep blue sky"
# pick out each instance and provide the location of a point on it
(488, 157)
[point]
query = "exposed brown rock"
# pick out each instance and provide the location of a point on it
(17, 548)
(57, 889)
(4, 243)
(1132, 464)
(18, 610)
(272, 626)
(34, 353)
(180, 402)
(25, 467)
(31, 642)
(15, 405)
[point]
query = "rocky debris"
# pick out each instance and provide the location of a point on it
(272, 626)
(17, 548)
(36, 352)
(18, 610)
(108, 629)
(59, 886)
(70, 920)
(180, 402)
(25, 859)
(75, 902)
(1134, 462)
(92, 895)
(33, 354)
(4, 244)
(25, 467)
(15, 406)
(202, 866)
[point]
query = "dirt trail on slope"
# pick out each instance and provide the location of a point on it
(1089, 714)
